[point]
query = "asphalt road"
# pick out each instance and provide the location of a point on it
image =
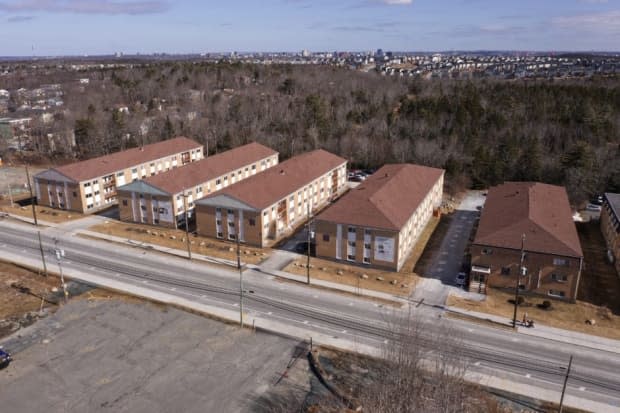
(506, 355)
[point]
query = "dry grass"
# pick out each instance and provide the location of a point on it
(43, 213)
(163, 237)
(397, 283)
(563, 315)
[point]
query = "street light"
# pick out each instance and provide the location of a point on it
(189, 248)
(309, 243)
(521, 272)
(60, 253)
(36, 222)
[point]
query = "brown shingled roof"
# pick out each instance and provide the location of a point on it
(268, 187)
(108, 164)
(209, 168)
(386, 199)
(540, 211)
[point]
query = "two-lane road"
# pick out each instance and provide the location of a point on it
(506, 355)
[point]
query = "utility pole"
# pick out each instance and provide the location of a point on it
(189, 249)
(10, 194)
(570, 363)
(519, 272)
(60, 253)
(309, 243)
(36, 223)
(240, 279)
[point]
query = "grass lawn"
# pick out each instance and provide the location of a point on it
(563, 315)
(174, 238)
(43, 213)
(397, 283)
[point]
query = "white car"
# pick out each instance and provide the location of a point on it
(461, 278)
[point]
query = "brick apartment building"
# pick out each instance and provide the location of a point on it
(610, 226)
(89, 186)
(379, 222)
(263, 208)
(158, 200)
(553, 256)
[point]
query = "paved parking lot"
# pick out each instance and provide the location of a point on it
(118, 356)
(439, 281)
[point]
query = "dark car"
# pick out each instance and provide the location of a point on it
(5, 359)
(302, 248)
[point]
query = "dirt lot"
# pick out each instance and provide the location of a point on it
(398, 283)
(162, 236)
(26, 296)
(15, 176)
(563, 315)
(600, 284)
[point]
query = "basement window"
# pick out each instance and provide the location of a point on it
(326, 237)
(220, 235)
(556, 293)
(505, 270)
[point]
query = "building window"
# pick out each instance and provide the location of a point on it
(366, 260)
(326, 237)
(556, 293)
(351, 243)
(367, 246)
(134, 171)
(220, 235)
(559, 277)
(120, 174)
(218, 222)
(231, 225)
(367, 232)
(352, 230)
(218, 181)
(487, 251)
(218, 209)
(154, 209)
(230, 211)
(87, 184)
(163, 211)
(143, 207)
(560, 262)
(505, 270)
(351, 257)
(232, 236)
(155, 221)
(252, 222)
(124, 202)
(199, 189)
(74, 194)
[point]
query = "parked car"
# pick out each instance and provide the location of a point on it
(594, 207)
(5, 358)
(461, 279)
(597, 200)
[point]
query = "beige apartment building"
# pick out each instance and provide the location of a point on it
(610, 226)
(260, 210)
(553, 255)
(378, 223)
(90, 186)
(159, 199)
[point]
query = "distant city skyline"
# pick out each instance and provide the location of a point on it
(78, 27)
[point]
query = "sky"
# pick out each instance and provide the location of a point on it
(78, 27)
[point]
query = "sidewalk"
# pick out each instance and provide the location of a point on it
(549, 333)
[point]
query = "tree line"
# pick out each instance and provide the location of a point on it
(483, 132)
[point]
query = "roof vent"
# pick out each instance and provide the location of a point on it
(141, 148)
(281, 171)
(387, 174)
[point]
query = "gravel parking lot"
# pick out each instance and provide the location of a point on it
(118, 356)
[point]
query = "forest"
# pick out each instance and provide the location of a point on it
(483, 132)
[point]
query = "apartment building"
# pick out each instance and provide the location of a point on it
(89, 186)
(261, 209)
(553, 255)
(610, 226)
(378, 223)
(163, 199)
